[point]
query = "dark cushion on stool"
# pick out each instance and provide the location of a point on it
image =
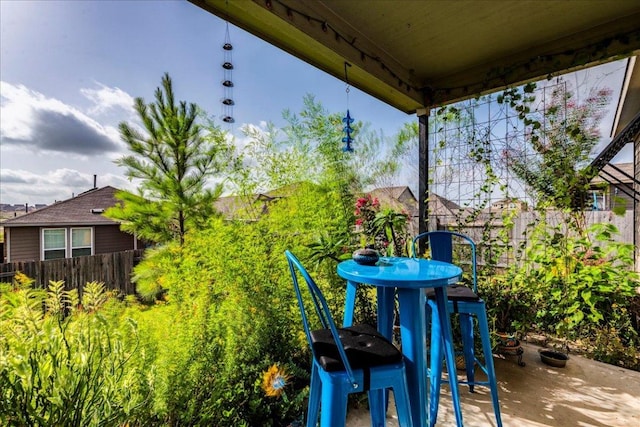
(455, 293)
(364, 346)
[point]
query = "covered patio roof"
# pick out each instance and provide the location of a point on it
(420, 54)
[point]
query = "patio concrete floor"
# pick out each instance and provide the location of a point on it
(584, 393)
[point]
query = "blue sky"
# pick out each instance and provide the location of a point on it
(70, 71)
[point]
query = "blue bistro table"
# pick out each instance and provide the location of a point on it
(408, 277)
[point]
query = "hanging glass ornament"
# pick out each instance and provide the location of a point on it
(347, 120)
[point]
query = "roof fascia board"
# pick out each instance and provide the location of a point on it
(60, 224)
(623, 94)
(630, 104)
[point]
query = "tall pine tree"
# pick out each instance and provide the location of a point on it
(173, 161)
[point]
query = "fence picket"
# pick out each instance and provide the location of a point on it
(113, 269)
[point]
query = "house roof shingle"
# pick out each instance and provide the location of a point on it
(84, 209)
(393, 197)
(439, 205)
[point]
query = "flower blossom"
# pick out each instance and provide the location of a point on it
(274, 381)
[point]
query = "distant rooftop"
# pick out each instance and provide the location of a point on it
(84, 209)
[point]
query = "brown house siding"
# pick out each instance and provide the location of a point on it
(109, 238)
(25, 241)
(24, 244)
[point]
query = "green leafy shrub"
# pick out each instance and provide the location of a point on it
(584, 280)
(577, 286)
(65, 360)
(228, 312)
(510, 302)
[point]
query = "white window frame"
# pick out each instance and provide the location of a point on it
(71, 247)
(68, 241)
(42, 249)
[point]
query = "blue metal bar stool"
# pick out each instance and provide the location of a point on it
(466, 302)
(347, 360)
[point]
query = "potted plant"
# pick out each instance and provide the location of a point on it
(509, 307)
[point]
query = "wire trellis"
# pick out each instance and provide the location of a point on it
(472, 186)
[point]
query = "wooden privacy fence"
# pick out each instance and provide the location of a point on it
(113, 269)
(487, 225)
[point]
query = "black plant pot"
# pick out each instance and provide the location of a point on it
(554, 358)
(366, 256)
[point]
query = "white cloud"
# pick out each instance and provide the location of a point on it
(21, 186)
(44, 125)
(106, 98)
(50, 150)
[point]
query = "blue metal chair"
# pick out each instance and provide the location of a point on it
(347, 360)
(466, 302)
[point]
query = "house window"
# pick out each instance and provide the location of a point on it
(59, 242)
(54, 243)
(81, 242)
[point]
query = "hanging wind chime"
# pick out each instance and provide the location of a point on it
(227, 82)
(347, 120)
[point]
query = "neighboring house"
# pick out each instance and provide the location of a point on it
(237, 207)
(441, 206)
(613, 187)
(70, 228)
(5, 207)
(625, 132)
(510, 204)
(400, 199)
(228, 206)
(442, 213)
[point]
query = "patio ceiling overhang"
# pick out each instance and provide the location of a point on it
(420, 54)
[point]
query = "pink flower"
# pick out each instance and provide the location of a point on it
(359, 221)
(605, 92)
(361, 202)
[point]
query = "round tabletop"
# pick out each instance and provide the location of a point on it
(400, 272)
